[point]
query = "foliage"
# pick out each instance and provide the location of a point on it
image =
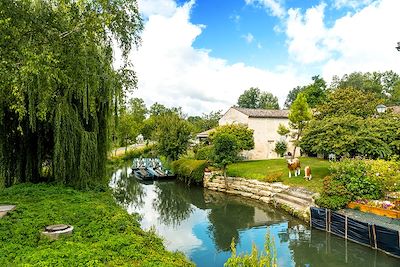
(375, 137)
(268, 101)
(344, 101)
(264, 170)
(104, 233)
(225, 150)
(282, 130)
(189, 170)
(386, 173)
(58, 86)
(147, 151)
(315, 93)
(299, 116)
(205, 153)
(205, 122)
(332, 202)
(172, 135)
(381, 84)
(130, 121)
(254, 98)
(280, 148)
(266, 258)
(243, 135)
(352, 174)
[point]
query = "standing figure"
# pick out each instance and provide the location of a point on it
(294, 165)
(307, 173)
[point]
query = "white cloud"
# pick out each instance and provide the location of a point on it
(363, 41)
(157, 7)
(172, 72)
(351, 3)
(305, 33)
(248, 37)
(274, 6)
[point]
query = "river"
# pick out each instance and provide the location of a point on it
(201, 224)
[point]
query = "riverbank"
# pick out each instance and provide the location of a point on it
(104, 233)
(294, 200)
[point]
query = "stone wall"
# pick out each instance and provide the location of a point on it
(297, 201)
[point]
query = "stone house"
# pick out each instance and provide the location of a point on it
(265, 124)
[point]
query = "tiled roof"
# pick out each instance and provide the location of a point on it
(264, 113)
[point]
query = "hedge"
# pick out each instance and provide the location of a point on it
(189, 170)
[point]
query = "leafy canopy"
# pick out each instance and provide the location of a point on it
(254, 98)
(243, 135)
(58, 86)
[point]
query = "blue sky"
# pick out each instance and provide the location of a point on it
(202, 54)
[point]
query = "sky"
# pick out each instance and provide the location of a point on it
(202, 55)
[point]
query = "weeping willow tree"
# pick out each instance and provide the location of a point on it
(58, 86)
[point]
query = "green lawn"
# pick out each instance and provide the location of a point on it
(265, 170)
(104, 233)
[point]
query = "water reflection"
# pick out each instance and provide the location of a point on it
(127, 191)
(172, 203)
(202, 223)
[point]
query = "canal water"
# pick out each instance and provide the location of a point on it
(201, 224)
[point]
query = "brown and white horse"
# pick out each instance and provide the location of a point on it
(307, 173)
(294, 165)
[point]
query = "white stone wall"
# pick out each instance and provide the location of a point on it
(296, 202)
(265, 134)
(234, 116)
(247, 188)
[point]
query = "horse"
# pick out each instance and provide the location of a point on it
(294, 165)
(307, 173)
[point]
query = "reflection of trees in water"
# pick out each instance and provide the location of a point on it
(172, 202)
(127, 190)
(318, 248)
(226, 219)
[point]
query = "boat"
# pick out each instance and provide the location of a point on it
(150, 169)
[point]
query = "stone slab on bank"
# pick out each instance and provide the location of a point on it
(5, 208)
(292, 199)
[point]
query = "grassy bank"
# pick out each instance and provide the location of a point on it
(104, 233)
(276, 169)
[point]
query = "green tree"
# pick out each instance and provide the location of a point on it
(243, 135)
(299, 116)
(314, 92)
(58, 86)
(280, 147)
(268, 101)
(374, 137)
(205, 122)
(292, 95)
(250, 98)
(254, 98)
(225, 150)
(172, 135)
(344, 101)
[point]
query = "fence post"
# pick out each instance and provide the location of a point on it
(374, 233)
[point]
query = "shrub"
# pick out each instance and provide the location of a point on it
(353, 174)
(273, 177)
(204, 153)
(189, 170)
(280, 148)
(266, 258)
(332, 202)
(145, 152)
(386, 173)
(243, 135)
(333, 187)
